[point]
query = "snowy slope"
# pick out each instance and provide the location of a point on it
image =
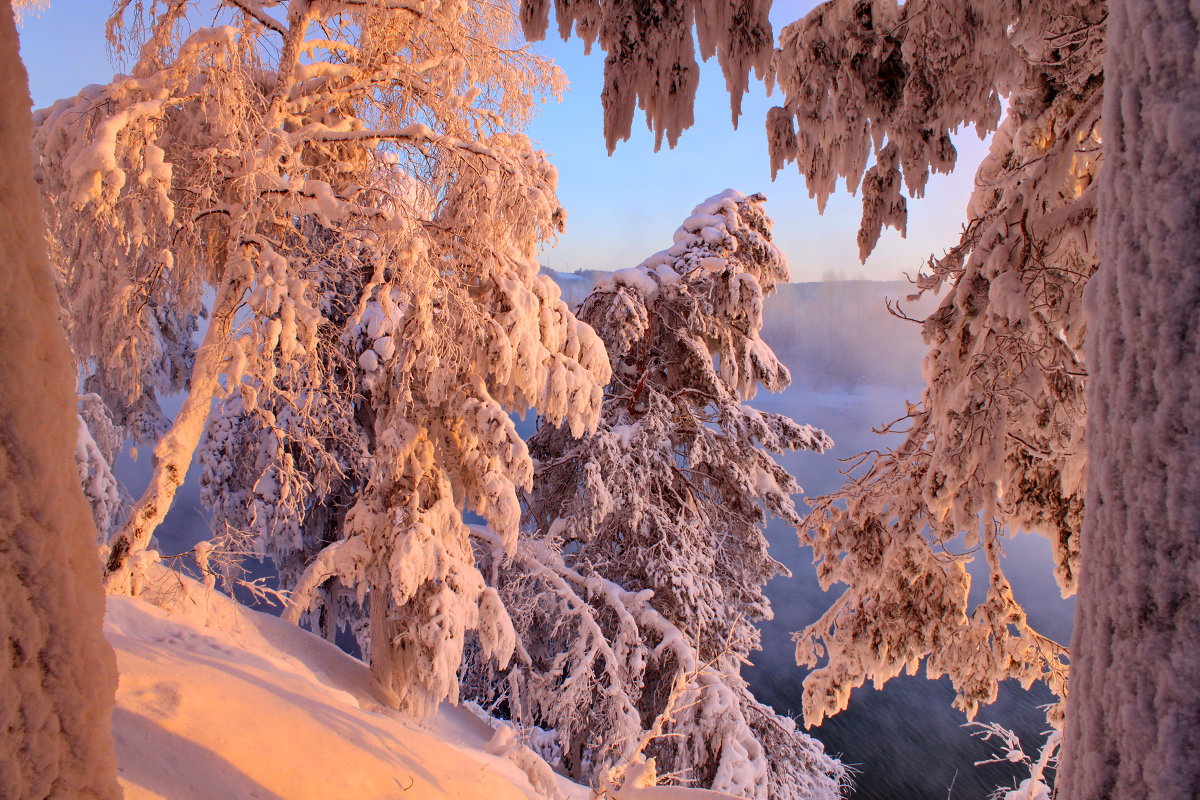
(249, 706)
(220, 702)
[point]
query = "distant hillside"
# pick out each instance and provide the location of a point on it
(575, 285)
(831, 334)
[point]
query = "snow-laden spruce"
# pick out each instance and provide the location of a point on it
(341, 189)
(636, 593)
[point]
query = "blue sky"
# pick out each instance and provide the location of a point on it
(624, 207)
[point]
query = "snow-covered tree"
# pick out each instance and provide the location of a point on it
(364, 500)
(58, 675)
(996, 443)
(872, 91)
(346, 182)
(1133, 727)
(209, 171)
(636, 597)
(282, 490)
(201, 174)
(379, 312)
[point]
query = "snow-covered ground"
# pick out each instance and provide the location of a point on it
(220, 702)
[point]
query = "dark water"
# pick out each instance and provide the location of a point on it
(906, 742)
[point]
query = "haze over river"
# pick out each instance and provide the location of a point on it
(853, 368)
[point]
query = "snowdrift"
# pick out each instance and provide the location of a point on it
(217, 701)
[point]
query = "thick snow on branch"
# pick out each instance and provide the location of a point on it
(342, 189)
(440, 359)
(996, 443)
(651, 53)
(96, 446)
(206, 170)
(881, 81)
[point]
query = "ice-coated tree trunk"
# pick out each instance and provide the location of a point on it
(1133, 727)
(57, 674)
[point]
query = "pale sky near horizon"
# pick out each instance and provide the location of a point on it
(624, 207)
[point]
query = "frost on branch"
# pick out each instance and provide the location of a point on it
(340, 188)
(472, 345)
(1008, 749)
(651, 53)
(872, 91)
(96, 445)
(354, 433)
(996, 443)
(644, 574)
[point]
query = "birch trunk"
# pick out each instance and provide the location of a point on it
(174, 451)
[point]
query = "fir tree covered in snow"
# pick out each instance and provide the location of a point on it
(635, 598)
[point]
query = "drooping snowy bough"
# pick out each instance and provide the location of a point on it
(996, 443)
(872, 91)
(340, 188)
(636, 594)
(651, 53)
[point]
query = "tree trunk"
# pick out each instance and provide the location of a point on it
(57, 674)
(1134, 714)
(174, 451)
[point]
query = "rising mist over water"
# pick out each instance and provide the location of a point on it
(853, 367)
